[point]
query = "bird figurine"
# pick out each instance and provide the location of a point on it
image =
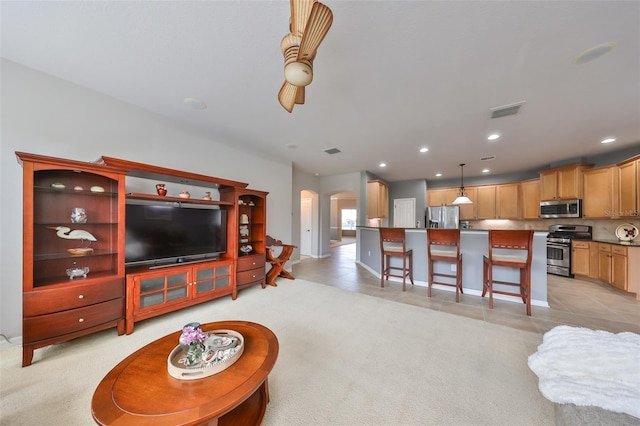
(76, 234)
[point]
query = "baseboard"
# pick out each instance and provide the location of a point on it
(5, 342)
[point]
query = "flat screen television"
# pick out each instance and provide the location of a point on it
(162, 235)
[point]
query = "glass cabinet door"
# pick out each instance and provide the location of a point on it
(212, 278)
(75, 226)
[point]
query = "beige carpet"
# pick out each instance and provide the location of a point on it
(345, 359)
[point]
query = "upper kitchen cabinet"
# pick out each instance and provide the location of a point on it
(445, 196)
(486, 202)
(507, 201)
(600, 193)
(441, 196)
(530, 199)
(377, 199)
(629, 181)
(562, 183)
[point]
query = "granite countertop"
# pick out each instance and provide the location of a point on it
(461, 229)
(635, 243)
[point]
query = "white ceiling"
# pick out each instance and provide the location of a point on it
(390, 77)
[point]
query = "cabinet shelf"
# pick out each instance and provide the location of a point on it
(92, 277)
(64, 255)
(74, 225)
(67, 192)
(168, 199)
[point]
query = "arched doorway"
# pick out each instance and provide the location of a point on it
(344, 217)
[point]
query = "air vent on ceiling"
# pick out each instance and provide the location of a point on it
(491, 157)
(503, 111)
(332, 151)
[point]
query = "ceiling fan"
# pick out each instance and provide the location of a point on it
(310, 21)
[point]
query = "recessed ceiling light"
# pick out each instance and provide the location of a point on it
(438, 174)
(194, 103)
(383, 164)
(608, 140)
(593, 53)
(486, 171)
(493, 136)
(424, 149)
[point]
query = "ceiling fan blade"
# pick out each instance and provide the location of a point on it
(317, 27)
(300, 11)
(288, 95)
(300, 96)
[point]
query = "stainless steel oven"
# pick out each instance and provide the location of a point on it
(559, 257)
(559, 247)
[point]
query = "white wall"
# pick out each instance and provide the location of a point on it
(42, 114)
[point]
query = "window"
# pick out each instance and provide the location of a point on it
(349, 217)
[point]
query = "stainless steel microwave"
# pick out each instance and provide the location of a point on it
(560, 208)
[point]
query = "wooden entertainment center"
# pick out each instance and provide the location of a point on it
(75, 281)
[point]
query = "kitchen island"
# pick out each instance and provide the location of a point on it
(473, 246)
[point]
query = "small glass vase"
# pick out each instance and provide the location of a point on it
(193, 353)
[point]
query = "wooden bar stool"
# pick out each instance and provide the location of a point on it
(502, 245)
(393, 244)
(443, 245)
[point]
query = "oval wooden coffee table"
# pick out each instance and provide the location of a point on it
(139, 390)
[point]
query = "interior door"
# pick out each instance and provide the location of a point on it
(306, 214)
(404, 213)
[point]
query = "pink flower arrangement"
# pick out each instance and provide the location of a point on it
(192, 333)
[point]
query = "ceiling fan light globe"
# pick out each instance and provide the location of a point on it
(298, 73)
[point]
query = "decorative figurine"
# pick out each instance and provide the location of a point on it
(78, 215)
(207, 196)
(76, 234)
(162, 190)
(185, 194)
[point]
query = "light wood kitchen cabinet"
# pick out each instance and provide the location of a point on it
(562, 183)
(612, 263)
(600, 193)
(530, 199)
(594, 267)
(441, 196)
(468, 211)
(508, 201)
(377, 199)
(445, 196)
(486, 202)
(629, 187)
(580, 258)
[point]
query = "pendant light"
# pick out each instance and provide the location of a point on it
(462, 195)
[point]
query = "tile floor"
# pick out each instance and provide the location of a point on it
(573, 302)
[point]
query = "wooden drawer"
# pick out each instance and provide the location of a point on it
(604, 247)
(246, 263)
(50, 300)
(580, 244)
(61, 323)
(254, 275)
(622, 251)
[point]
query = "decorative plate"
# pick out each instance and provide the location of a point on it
(626, 232)
(223, 348)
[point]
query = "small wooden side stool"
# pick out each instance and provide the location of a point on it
(278, 262)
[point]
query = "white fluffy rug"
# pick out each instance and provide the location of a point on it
(589, 368)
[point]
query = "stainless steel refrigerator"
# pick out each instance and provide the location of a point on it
(443, 217)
